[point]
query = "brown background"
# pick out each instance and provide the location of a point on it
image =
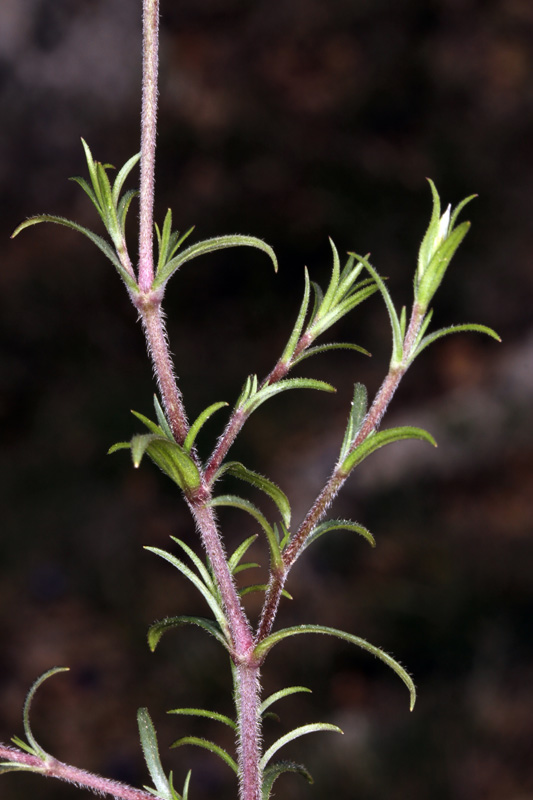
(293, 121)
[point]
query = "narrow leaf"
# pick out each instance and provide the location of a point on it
(424, 254)
(297, 330)
(273, 772)
(163, 423)
(333, 283)
(261, 587)
(355, 419)
(273, 698)
(432, 337)
(150, 750)
(157, 630)
(338, 525)
(323, 348)
(281, 386)
(397, 342)
(210, 246)
(199, 422)
(202, 712)
(238, 554)
(245, 505)
(207, 745)
(314, 727)
(203, 572)
(438, 265)
(267, 644)
(382, 438)
(267, 486)
(168, 456)
(36, 748)
(122, 175)
(210, 599)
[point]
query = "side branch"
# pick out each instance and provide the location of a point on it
(79, 777)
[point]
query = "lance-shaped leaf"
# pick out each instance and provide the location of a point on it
(434, 273)
(427, 247)
(314, 727)
(237, 556)
(210, 246)
(202, 712)
(150, 750)
(469, 326)
(261, 587)
(203, 572)
(163, 422)
(324, 348)
(382, 438)
(355, 419)
(397, 339)
(267, 486)
(31, 745)
(294, 338)
(268, 391)
(199, 422)
(268, 643)
(167, 455)
(104, 246)
(208, 745)
(338, 525)
(273, 698)
(272, 773)
(245, 505)
(157, 630)
(210, 599)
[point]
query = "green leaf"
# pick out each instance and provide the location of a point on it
(267, 486)
(323, 348)
(238, 554)
(355, 418)
(425, 252)
(157, 630)
(275, 770)
(152, 426)
(150, 750)
(123, 207)
(397, 341)
(203, 572)
(97, 240)
(210, 599)
(167, 455)
(267, 644)
(202, 712)
(273, 698)
(314, 727)
(363, 290)
(163, 423)
(382, 438)
(269, 391)
(434, 273)
(338, 525)
(297, 330)
(34, 747)
(261, 587)
(333, 285)
(210, 246)
(121, 177)
(199, 422)
(472, 327)
(207, 745)
(245, 505)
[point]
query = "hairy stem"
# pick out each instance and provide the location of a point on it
(79, 777)
(148, 141)
(249, 721)
(149, 307)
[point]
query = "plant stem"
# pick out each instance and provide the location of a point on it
(79, 777)
(148, 141)
(249, 722)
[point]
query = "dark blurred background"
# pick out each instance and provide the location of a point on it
(292, 121)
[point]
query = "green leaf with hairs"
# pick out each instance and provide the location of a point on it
(467, 327)
(156, 631)
(268, 391)
(273, 698)
(314, 727)
(167, 455)
(355, 419)
(298, 326)
(268, 643)
(202, 712)
(382, 438)
(210, 246)
(199, 422)
(245, 505)
(339, 525)
(272, 773)
(150, 750)
(208, 745)
(258, 481)
(239, 552)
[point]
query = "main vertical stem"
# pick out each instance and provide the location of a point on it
(148, 141)
(248, 705)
